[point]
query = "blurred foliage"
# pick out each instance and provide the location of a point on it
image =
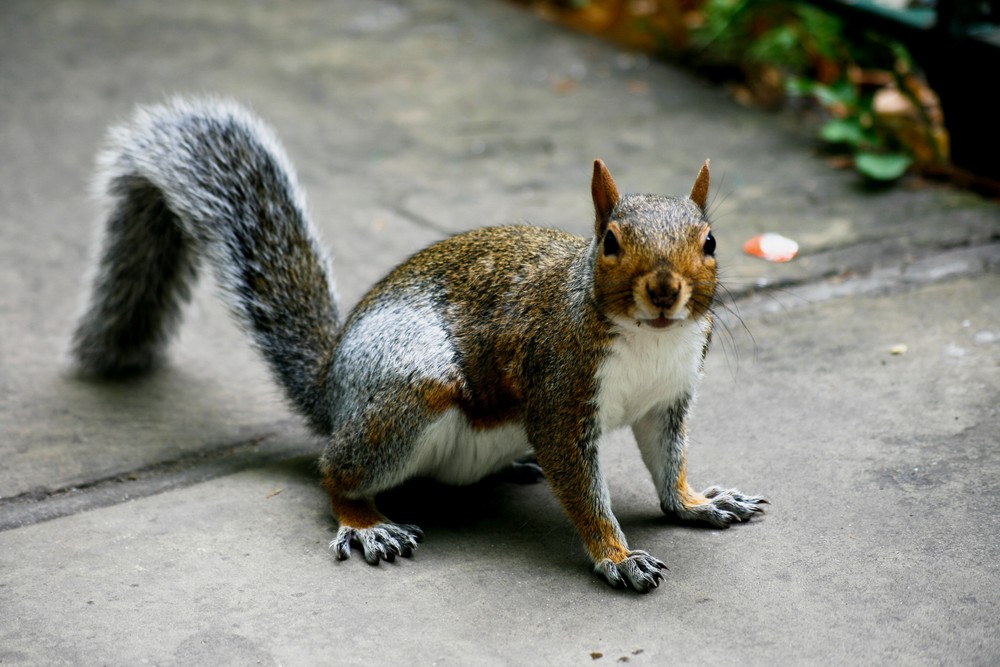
(879, 114)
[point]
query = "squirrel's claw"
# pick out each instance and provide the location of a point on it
(341, 544)
(638, 571)
(723, 507)
(383, 541)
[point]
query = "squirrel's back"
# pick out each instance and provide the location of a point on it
(491, 275)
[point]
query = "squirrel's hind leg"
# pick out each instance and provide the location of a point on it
(363, 526)
(372, 452)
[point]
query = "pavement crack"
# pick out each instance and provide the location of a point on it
(420, 220)
(905, 273)
(40, 504)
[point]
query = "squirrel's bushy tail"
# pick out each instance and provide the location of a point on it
(201, 178)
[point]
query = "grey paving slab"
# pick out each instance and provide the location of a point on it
(879, 547)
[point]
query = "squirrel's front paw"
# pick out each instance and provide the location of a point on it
(638, 571)
(722, 507)
(383, 541)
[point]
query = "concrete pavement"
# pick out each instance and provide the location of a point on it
(177, 519)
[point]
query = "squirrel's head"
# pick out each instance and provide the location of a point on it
(654, 263)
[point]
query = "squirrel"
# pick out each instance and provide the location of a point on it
(479, 350)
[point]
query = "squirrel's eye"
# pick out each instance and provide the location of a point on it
(611, 246)
(710, 245)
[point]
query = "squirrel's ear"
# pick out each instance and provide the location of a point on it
(699, 192)
(605, 194)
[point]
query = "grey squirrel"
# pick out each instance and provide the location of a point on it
(476, 351)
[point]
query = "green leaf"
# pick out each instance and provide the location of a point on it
(843, 131)
(882, 167)
(842, 92)
(800, 86)
(777, 46)
(824, 31)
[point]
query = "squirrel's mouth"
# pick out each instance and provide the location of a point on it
(660, 322)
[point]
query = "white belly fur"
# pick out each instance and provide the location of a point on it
(647, 368)
(451, 450)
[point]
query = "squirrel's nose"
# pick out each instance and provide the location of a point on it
(663, 294)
